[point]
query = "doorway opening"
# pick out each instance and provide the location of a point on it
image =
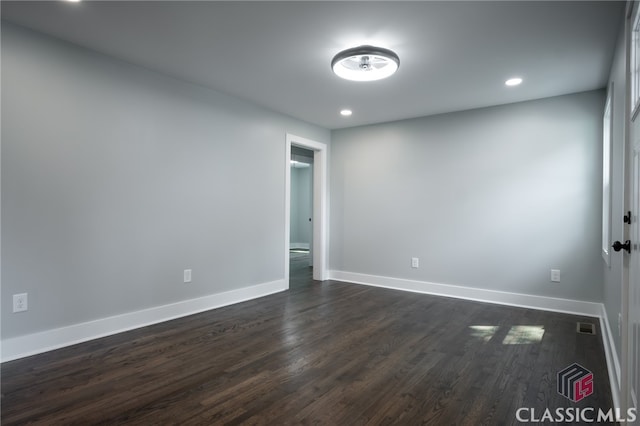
(301, 216)
(305, 210)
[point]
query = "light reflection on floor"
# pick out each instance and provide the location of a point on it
(517, 334)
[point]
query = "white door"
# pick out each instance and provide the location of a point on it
(630, 380)
(634, 285)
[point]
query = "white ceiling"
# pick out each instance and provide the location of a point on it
(453, 55)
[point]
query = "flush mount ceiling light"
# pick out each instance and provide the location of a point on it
(365, 63)
(346, 112)
(513, 81)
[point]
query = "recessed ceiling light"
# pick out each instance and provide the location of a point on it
(346, 112)
(74, 1)
(513, 81)
(365, 63)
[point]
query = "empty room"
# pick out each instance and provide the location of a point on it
(320, 212)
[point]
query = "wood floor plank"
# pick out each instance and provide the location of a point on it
(321, 353)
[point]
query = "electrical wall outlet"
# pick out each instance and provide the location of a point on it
(415, 262)
(20, 302)
(187, 275)
(555, 275)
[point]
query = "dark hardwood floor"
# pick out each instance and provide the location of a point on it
(321, 353)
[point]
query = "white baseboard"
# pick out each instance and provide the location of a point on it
(31, 344)
(610, 352)
(576, 307)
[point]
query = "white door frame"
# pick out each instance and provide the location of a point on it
(320, 228)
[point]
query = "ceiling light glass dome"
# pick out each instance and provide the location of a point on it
(365, 63)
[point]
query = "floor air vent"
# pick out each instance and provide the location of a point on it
(586, 328)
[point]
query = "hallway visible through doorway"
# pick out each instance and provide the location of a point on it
(315, 155)
(300, 272)
(301, 215)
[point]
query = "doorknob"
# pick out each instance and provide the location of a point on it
(617, 246)
(627, 218)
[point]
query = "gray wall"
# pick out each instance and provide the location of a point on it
(490, 198)
(115, 179)
(301, 205)
(613, 273)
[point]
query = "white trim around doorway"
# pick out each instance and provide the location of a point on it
(320, 221)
